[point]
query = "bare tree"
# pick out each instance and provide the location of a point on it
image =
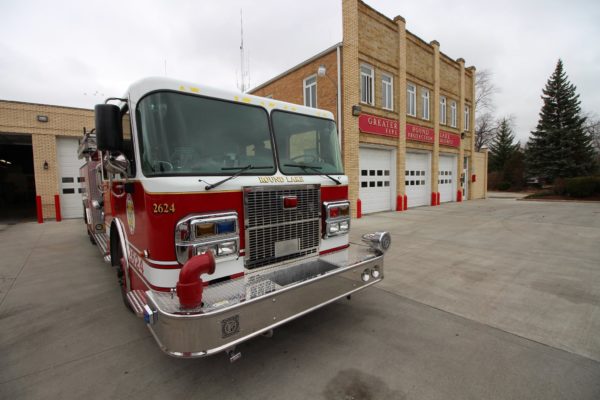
(486, 126)
(592, 126)
(486, 123)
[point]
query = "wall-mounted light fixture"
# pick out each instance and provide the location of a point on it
(46, 166)
(42, 118)
(321, 71)
(356, 110)
(463, 134)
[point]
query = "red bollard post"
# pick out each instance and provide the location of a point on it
(459, 196)
(40, 211)
(399, 203)
(358, 208)
(405, 202)
(438, 198)
(57, 208)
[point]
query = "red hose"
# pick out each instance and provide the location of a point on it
(189, 286)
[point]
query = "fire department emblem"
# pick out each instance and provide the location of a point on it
(230, 326)
(130, 214)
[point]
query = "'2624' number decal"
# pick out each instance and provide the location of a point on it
(163, 208)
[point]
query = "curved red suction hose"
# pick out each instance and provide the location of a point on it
(189, 286)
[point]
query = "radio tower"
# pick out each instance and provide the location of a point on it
(244, 81)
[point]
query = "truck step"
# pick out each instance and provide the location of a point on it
(137, 300)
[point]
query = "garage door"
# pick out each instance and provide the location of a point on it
(417, 179)
(376, 174)
(68, 179)
(447, 178)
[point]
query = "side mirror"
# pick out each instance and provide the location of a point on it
(109, 130)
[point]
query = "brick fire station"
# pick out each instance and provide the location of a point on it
(405, 113)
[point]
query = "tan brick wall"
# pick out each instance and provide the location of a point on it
(18, 117)
(21, 118)
(350, 97)
(419, 61)
(479, 187)
(377, 37)
(469, 82)
(449, 77)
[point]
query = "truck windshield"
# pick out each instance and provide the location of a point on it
(306, 145)
(183, 134)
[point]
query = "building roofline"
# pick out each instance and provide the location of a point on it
(296, 67)
(45, 105)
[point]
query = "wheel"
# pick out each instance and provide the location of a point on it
(123, 284)
(118, 261)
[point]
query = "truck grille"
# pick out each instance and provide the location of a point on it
(275, 233)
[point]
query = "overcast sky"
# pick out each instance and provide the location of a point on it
(76, 53)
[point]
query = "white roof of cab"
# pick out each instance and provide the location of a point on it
(144, 86)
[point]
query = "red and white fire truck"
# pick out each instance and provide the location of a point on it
(226, 215)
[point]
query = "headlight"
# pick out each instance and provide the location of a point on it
(217, 232)
(337, 218)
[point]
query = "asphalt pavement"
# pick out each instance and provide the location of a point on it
(486, 299)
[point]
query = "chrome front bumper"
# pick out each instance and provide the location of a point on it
(237, 310)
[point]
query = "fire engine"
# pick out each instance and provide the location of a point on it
(225, 215)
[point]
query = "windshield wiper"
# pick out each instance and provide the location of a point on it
(241, 170)
(315, 168)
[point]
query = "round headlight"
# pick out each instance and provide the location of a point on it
(375, 273)
(365, 276)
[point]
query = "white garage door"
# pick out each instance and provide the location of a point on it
(447, 178)
(417, 179)
(68, 178)
(376, 177)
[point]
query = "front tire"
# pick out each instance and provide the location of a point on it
(118, 261)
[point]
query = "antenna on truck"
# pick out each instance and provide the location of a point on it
(243, 83)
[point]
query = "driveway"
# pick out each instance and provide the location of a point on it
(490, 299)
(529, 268)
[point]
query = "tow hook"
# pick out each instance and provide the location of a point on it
(233, 354)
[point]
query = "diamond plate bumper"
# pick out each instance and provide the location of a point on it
(239, 309)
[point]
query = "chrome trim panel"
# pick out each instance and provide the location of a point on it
(186, 241)
(329, 220)
(237, 310)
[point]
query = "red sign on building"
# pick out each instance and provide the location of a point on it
(449, 139)
(378, 126)
(419, 133)
(423, 134)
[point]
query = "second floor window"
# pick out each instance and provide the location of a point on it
(425, 98)
(387, 90)
(411, 100)
(453, 114)
(310, 91)
(442, 110)
(366, 84)
(467, 117)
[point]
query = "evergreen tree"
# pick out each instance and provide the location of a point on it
(502, 146)
(560, 147)
(514, 169)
